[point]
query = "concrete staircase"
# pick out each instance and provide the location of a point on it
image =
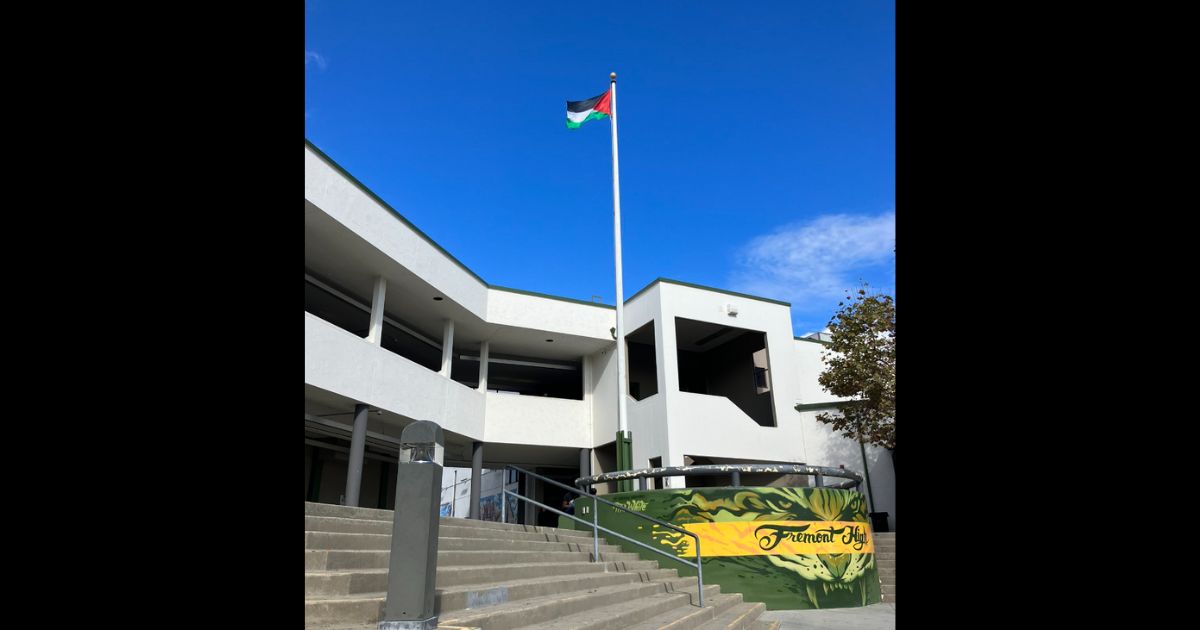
(885, 559)
(496, 576)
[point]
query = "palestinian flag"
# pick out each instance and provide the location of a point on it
(595, 108)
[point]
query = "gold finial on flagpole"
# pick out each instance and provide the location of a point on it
(612, 75)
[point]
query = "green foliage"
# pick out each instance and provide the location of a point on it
(861, 364)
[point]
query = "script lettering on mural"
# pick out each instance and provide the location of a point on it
(758, 538)
(771, 535)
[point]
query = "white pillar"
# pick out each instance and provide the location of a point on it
(483, 364)
(375, 335)
(587, 392)
(447, 346)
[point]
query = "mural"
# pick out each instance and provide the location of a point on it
(444, 510)
(489, 508)
(791, 548)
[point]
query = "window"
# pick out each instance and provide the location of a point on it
(719, 360)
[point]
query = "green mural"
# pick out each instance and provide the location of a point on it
(791, 548)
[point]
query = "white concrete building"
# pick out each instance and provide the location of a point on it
(396, 330)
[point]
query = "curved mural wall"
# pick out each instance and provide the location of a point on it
(790, 548)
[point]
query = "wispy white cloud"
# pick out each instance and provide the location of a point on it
(812, 264)
(310, 55)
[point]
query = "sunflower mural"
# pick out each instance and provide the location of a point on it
(791, 548)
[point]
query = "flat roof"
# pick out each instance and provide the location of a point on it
(308, 143)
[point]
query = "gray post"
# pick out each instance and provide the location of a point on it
(530, 509)
(736, 478)
(412, 564)
(358, 441)
(642, 484)
(585, 462)
(476, 477)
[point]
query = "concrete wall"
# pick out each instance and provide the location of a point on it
(649, 431)
(807, 358)
(604, 396)
(537, 420)
(350, 205)
(713, 425)
(527, 311)
(340, 362)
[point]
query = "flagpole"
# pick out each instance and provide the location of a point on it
(624, 445)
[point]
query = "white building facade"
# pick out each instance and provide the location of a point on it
(396, 330)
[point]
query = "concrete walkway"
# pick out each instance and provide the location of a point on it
(874, 617)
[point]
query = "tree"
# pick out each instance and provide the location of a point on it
(861, 364)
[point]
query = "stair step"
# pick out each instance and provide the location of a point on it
(887, 589)
(676, 607)
(371, 514)
(552, 611)
(319, 584)
(345, 511)
(500, 544)
(889, 599)
(334, 559)
(339, 540)
(688, 616)
(346, 525)
(458, 531)
(477, 558)
(354, 609)
(739, 617)
(474, 596)
(458, 576)
(455, 527)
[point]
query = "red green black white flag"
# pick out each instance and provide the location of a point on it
(595, 108)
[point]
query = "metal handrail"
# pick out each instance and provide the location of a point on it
(733, 470)
(596, 528)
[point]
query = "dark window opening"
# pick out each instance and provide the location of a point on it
(411, 347)
(463, 371)
(530, 376)
(642, 362)
(335, 309)
(718, 360)
(653, 483)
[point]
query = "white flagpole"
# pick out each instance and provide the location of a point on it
(622, 418)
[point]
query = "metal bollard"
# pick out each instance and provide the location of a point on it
(412, 565)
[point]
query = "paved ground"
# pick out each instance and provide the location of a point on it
(874, 617)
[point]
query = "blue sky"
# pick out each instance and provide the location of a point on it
(757, 140)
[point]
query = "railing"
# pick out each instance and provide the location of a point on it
(596, 528)
(733, 470)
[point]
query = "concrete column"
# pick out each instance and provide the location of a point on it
(358, 441)
(412, 561)
(476, 477)
(447, 346)
(531, 510)
(585, 462)
(588, 404)
(483, 365)
(375, 335)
